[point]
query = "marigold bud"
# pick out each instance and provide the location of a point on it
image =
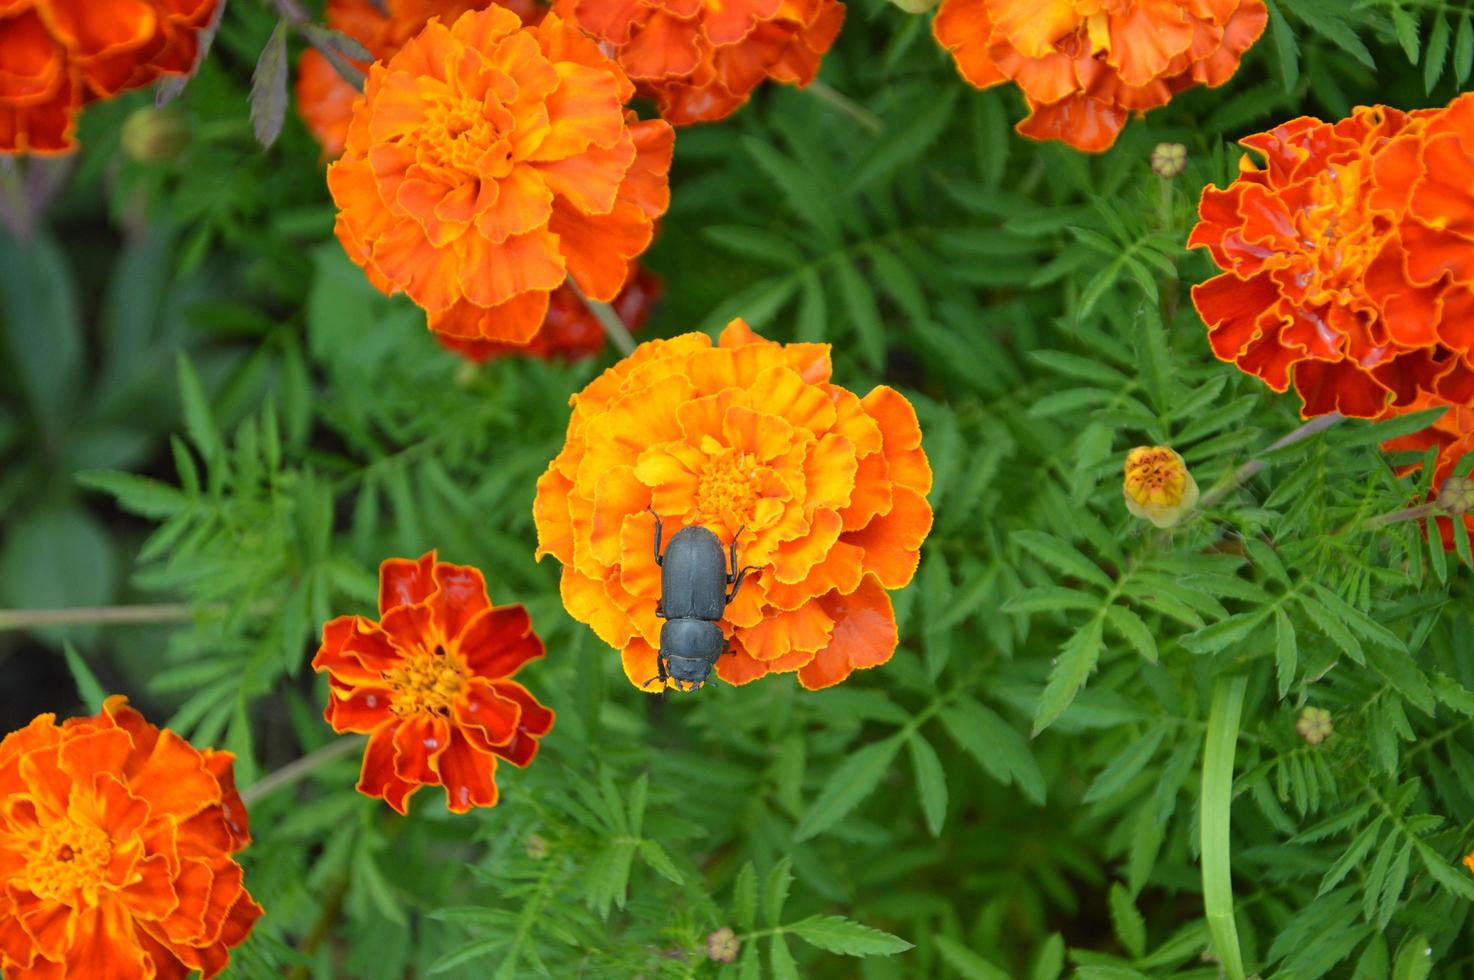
(1158, 487)
(722, 946)
(1457, 496)
(1314, 725)
(154, 136)
(1169, 160)
(537, 847)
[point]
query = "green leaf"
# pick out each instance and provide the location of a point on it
(908, 141)
(1287, 52)
(1415, 960)
(969, 964)
(840, 935)
(1286, 652)
(269, 87)
(1050, 598)
(88, 689)
(996, 745)
(198, 421)
(754, 243)
(744, 897)
(859, 301)
(784, 968)
(1071, 669)
(1406, 29)
(1437, 53)
(775, 891)
(1134, 629)
(1051, 960)
(931, 782)
(855, 779)
(1061, 556)
(1464, 49)
(657, 858)
(1114, 777)
(136, 494)
(1127, 921)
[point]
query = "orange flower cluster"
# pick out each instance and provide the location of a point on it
(58, 55)
(1453, 435)
(569, 332)
(830, 488)
(1085, 65)
(701, 59)
(1349, 260)
(490, 163)
(325, 99)
(115, 851)
(428, 682)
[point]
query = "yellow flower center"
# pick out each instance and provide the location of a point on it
(1155, 477)
(426, 683)
(728, 483)
(71, 856)
(1336, 233)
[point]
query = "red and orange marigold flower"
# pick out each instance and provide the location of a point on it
(570, 332)
(1085, 65)
(429, 683)
(488, 164)
(325, 99)
(701, 59)
(1348, 258)
(830, 488)
(58, 55)
(116, 844)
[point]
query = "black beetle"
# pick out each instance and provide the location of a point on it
(693, 596)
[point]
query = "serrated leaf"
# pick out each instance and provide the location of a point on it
(89, 690)
(775, 891)
(136, 494)
(784, 968)
(1437, 53)
(969, 964)
(1134, 629)
(198, 421)
(657, 858)
(1127, 921)
(1123, 767)
(1287, 51)
(1286, 652)
(859, 301)
(931, 782)
(1464, 49)
(269, 87)
(744, 897)
(1061, 556)
(995, 744)
(1072, 667)
(855, 779)
(840, 935)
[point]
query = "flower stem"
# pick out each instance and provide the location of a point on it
(1417, 513)
(614, 327)
(29, 619)
(1217, 800)
(1318, 424)
(293, 771)
(846, 105)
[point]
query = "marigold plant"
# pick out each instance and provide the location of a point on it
(570, 332)
(701, 60)
(116, 844)
(325, 98)
(58, 55)
(829, 490)
(1085, 65)
(488, 164)
(429, 683)
(1349, 260)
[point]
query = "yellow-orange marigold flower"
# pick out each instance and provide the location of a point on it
(830, 488)
(1453, 436)
(325, 98)
(115, 851)
(1157, 485)
(1348, 260)
(430, 684)
(701, 59)
(58, 55)
(488, 164)
(1085, 65)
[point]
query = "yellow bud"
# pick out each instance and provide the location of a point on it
(1457, 496)
(1314, 725)
(1158, 487)
(1169, 159)
(154, 135)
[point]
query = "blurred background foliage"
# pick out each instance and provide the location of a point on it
(206, 407)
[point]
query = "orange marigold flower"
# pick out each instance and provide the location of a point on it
(1085, 65)
(325, 99)
(1453, 436)
(115, 851)
(428, 682)
(569, 332)
(58, 55)
(1349, 258)
(701, 59)
(488, 164)
(830, 488)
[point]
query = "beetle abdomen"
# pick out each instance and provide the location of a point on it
(693, 576)
(691, 639)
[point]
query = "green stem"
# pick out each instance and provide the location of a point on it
(29, 619)
(613, 326)
(1217, 799)
(1316, 425)
(846, 105)
(293, 771)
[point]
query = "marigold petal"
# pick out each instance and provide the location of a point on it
(405, 582)
(361, 709)
(469, 775)
(377, 778)
(499, 641)
(805, 629)
(892, 541)
(864, 635)
(486, 718)
(100, 945)
(588, 601)
(1078, 120)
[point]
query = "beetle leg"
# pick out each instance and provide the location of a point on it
(660, 674)
(738, 583)
(732, 575)
(660, 608)
(659, 528)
